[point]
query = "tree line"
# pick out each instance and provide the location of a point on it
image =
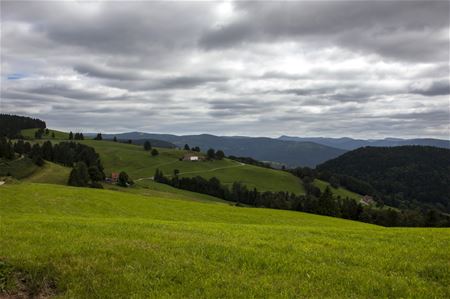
(76, 136)
(87, 167)
(308, 175)
(11, 125)
(316, 202)
(251, 161)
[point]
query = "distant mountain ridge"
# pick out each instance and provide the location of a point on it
(290, 153)
(347, 143)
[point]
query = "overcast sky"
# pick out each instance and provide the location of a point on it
(356, 68)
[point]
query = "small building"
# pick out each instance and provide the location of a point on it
(114, 177)
(367, 200)
(191, 157)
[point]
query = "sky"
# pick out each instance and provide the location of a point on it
(319, 68)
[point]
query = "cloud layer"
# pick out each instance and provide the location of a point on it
(337, 68)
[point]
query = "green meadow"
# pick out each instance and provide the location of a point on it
(342, 192)
(19, 168)
(85, 243)
(50, 173)
(138, 163)
(29, 134)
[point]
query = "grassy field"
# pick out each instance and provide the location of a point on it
(342, 192)
(19, 168)
(85, 243)
(153, 189)
(50, 173)
(29, 134)
(140, 164)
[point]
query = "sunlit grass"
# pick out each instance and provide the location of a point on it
(105, 244)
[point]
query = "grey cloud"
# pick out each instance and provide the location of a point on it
(272, 68)
(238, 107)
(107, 72)
(436, 88)
(399, 29)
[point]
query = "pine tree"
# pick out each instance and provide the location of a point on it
(147, 145)
(79, 175)
(70, 135)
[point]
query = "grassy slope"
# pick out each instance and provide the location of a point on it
(102, 244)
(342, 192)
(29, 134)
(139, 163)
(153, 189)
(19, 168)
(50, 173)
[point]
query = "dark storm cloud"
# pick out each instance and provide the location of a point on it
(259, 68)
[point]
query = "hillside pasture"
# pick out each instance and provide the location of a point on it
(139, 163)
(85, 243)
(19, 168)
(50, 173)
(342, 192)
(59, 135)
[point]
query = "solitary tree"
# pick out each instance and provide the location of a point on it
(115, 139)
(98, 137)
(53, 135)
(147, 145)
(70, 135)
(123, 179)
(220, 155)
(186, 147)
(211, 154)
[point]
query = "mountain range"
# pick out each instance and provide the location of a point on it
(289, 153)
(347, 143)
(286, 150)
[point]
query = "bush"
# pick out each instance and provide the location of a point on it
(124, 179)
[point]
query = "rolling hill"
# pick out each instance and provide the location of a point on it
(141, 166)
(86, 243)
(290, 153)
(58, 135)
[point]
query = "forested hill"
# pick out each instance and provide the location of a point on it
(410, 175)
(11, 125)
